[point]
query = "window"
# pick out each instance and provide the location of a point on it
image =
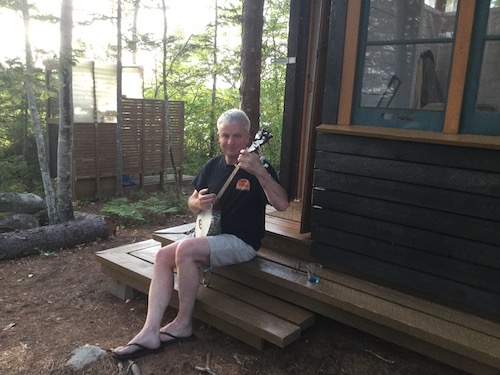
(481, 105)
(404, 63)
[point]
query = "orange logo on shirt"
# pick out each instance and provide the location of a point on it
(243, 184)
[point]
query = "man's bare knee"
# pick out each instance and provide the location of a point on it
(191, 250)
(165, 256)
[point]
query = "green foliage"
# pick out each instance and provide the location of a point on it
(197, 125)
(18, 155)
(273, 77)
(189, 70)
(150, 208)
(18, 176)
(12, 168)
(13, 106)
(123, 210)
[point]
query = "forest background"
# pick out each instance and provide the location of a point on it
(202, 69)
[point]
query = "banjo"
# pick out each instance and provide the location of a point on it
(208, 221)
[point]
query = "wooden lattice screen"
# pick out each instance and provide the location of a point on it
(145, 139)
(145, 146)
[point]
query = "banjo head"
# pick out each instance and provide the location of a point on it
(207, 223)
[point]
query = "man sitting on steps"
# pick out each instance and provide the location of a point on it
(242, 229)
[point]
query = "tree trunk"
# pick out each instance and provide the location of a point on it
(213, 119)
(119, 129)
(37, 129)
(84, 229)
(21, 203)
(251, 55)
(66, 123)
(135, 39)
(168, 127)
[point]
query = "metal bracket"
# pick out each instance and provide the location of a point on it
(284, 60)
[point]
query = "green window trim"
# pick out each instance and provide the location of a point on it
(396, 116)
(474, 121)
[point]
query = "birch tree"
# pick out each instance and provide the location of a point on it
(119, 130)
(213, 125)
(37, 128)
(66, 119)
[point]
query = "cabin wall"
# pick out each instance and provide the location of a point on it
(423, 218)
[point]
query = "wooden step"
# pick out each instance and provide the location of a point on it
(459, 339)
(238, 310)
(232, 288)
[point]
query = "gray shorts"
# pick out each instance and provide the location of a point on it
(226, 249)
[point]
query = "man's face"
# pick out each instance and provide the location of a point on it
(232, 139)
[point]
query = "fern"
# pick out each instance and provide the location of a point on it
(128, 212)
(122, 210)
(159, 206)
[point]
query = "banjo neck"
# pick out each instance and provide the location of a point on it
(219, 198)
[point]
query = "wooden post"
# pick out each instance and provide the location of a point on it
(349, 63)
(459, 66)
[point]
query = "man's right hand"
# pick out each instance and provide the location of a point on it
(205, 199)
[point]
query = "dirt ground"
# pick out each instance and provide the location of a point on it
(53, 303)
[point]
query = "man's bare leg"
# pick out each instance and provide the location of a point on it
(160, 292)
(188, 256)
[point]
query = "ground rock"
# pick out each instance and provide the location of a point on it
(85, 355)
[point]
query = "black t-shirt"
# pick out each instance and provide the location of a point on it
(244, 205)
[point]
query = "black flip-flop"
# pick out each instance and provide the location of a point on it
(174, 339)
(143, 351)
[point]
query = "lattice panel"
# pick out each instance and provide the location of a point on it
(144, 141)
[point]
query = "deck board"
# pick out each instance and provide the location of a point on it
(417, 304)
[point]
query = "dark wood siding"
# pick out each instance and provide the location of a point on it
(335, 56)
(294, 94)
(424, 218)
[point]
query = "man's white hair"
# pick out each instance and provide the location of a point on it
(232, 117)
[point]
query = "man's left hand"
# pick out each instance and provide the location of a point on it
(250, 162)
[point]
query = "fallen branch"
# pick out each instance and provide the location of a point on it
(379, 357)
(133, 368)
(207, 368)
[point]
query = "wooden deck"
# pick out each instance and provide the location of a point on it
(461, 340)
(248, 314)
